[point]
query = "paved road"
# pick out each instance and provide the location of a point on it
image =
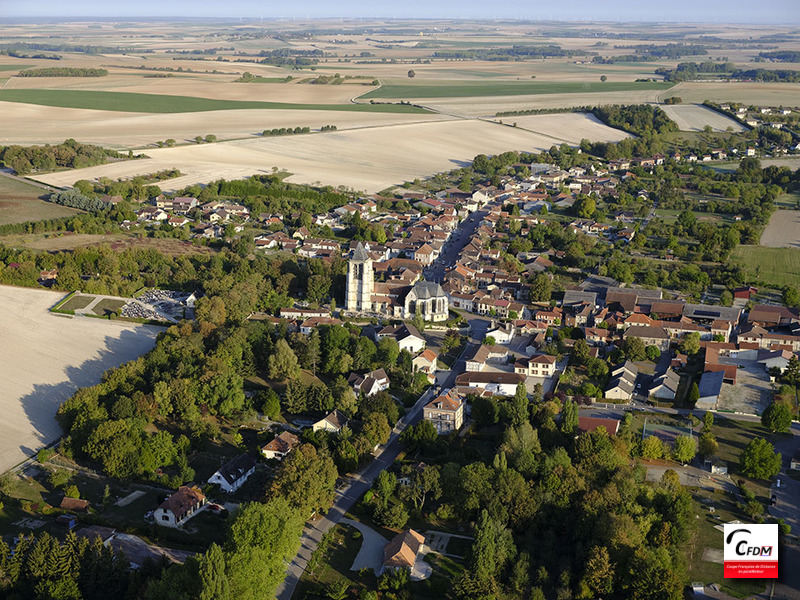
(359, 484)
(452, 250)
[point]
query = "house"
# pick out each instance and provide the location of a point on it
(666, 386)
(587, 424)
(536, 366)
(74, 504)
(179, 507)
(307, 326)
(710, 389)
(774, 359)
(651, 336)
(402, 550)
(425, 362)
(369, 384)
(502, 334)
(332, 423)
(406, 335)
(623, 382)
(486, 353)
(280, 446)
(446, 412)
(232, 475)
(500, 383)
(794, 464)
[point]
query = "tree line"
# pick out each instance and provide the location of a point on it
(69, 154)
(63, 72)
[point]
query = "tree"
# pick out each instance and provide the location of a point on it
(388, 351)
(652, 447)
(599, 577)
(603, 78)
(759, 460)
(384, 486)
(213, 580)
(492, 549)
(569, 417)
(580, 352)
(684, 449)
(411, 73)
(283, 362)
(584, 207)
(211, 138)
(634, 348)
(708, 444)
(653, 353)
(690, 344)
(489, 341)
(541, 288)
(777, 418)
(708, 419)
(519, 406)
(694, 394)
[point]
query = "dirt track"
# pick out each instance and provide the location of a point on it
(45, 358)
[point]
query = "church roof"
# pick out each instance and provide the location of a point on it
(359, 253)
(428, 289)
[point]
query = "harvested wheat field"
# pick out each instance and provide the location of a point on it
(783, 230)
(490, 105)
(568, 127)
(122, 130)
(763, 94)
(45, 359)
(693, 117)
(368, 159)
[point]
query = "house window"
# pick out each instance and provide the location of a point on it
(165, 517)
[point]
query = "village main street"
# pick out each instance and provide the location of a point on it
(360, 482)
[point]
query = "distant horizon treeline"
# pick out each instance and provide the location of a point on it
(63, 72)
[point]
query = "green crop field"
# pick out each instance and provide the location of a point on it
(777, 267)
(508, 88)
(157, 103)
(13, 67)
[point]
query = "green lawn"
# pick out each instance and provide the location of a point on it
(157, 103)
(107, 306)
(508, 88)
(21, 202)
(787, 201)
(776, 267)
(708, 537)
(77, 303)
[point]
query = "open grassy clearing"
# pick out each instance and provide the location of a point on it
(508, 88)
(768, 94)
(45, 357)
(369, 159)
(776, 267)
(53, 242)
(13, 67)
(21, 202)
(154, 103)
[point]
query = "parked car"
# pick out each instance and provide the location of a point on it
(773, 501)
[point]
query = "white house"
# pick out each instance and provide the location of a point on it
(502, 334)
(541, 365)
(425, 361)
(179, 507)
(406, 335)
(280, 446)
(369, 383)
(666, 386)
(234, 473)
(331, 423)
(500, 383)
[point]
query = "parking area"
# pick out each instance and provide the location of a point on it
(752, 391)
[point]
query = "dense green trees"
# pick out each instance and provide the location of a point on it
(63, 72)
(760, 460)
(70, 154)
(777, 417)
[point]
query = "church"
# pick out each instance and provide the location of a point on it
(397, 297)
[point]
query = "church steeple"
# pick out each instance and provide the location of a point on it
(360, 281)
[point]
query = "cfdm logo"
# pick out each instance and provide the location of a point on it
(751, 551)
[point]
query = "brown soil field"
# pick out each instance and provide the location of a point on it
(693, 117)
(368, 159)
(121, 130)
(19, 202)
(45, 358)
(783, 230)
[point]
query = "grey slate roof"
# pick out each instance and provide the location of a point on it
(234, 469)
(359, 253)
(711, 383)
(428, 289)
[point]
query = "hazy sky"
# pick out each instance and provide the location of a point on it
(714, 11)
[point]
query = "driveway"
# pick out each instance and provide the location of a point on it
(370, 555)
